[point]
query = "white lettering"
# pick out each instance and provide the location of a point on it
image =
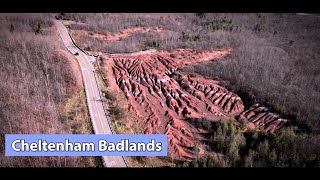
(51, 147)
(120, 146)
(69, 146)
(33, 147)
(158, 146)
(133, 147)
(88, 146)
(103, 145)
(111, 147)
(24, 146)
(59, 147)
(77, 147)
(150, 146)
(141, 147)
(13, 145)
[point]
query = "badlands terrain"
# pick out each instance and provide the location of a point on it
(163, 99)
(229, 90)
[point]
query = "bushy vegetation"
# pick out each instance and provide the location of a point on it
(115, 110)
(229, 147)
(36, 83)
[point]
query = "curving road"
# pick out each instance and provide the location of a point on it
(98, 116)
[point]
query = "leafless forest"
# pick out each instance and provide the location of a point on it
(36, 87)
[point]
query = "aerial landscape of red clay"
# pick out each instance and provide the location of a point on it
(162, 98)
(212, 89)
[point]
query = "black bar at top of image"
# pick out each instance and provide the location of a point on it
(159, 6)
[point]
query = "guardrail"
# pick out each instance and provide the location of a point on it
(77, 45)
(100, 94)
(107, 116)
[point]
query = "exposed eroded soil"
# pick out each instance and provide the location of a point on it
(115, 36)
(163, 98)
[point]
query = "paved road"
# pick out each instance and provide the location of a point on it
(98, 116)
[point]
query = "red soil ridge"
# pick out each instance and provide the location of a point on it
(163, 99)
(114, 36)
(261, 117)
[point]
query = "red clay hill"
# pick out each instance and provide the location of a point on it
(163, 99)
